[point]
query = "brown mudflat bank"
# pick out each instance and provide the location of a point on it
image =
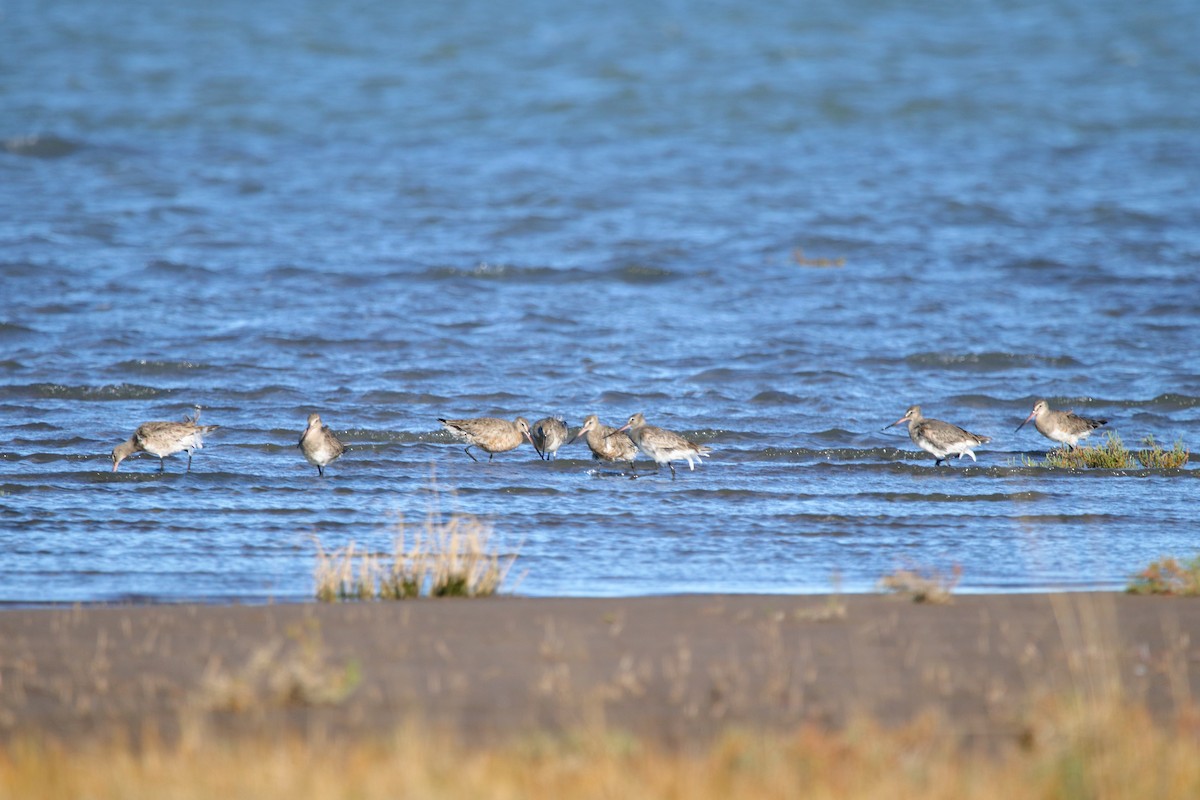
(674, 669)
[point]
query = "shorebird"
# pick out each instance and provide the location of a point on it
(163, 439)
(662, 445)
(319, 445)
(489, 434)
(1065, 427)
(602, 443)
(940, 438)
(549, 434)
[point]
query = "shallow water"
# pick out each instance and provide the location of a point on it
(770, 228)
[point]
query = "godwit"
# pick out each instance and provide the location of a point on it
(163, 439)
(940, 438)
(489, 434)
(549, 434)
(319, 445)
(662, 445)
(1066, 427)
(605, 446)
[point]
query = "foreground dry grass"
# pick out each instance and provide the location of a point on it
(1093, 750)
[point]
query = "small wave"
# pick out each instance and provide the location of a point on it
(152, 367)
(717, 375)
(940, 497)
(119, 391)
(497, 272)
(772, 397)
(14, 329)
(832, 454)
(389, 397)
(640, 274)
(987, 361)
(41, 146)
(177, 268)
(627, 400)
(1170, 401)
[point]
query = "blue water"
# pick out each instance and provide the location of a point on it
(772, 227)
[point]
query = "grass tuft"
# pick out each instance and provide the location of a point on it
(1170, 577)
(450, 557)
(292, 672)
(923, 586)
(1112, 454)
(1153, 456)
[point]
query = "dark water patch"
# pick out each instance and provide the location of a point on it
(501, 273)
(719, 375)
(988, 361)
(774, 397)
(270, 391)
(939, 497)
(516, 491)
(982, 401)
(9, 365)
(834, 435)
(42, 145)
(386, 397)
(1089, 519)
(160, 367)
(179, 269)
(34, 425)
(13, 330)
(798, 454)
(627, 400)
(58, 391)
(644, 275)
(1170, 401)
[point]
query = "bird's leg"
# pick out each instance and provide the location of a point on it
(672, 466)
(491, 456)
(162, 465)
(320, 470)
(189, 469)
(468, 452)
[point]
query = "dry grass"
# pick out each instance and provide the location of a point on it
(1170, 577)
(923, 586)
(1070, 750)
(280, 673)
(446, 557)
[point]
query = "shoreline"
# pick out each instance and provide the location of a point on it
(674, 669)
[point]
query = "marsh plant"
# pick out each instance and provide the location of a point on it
(1168, 576)
(1153, 456)
(450, 556)
(290, 672)
(923, 586)
(1112, 454)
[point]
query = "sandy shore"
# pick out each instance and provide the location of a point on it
(675, 669)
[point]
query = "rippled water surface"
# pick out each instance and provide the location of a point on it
(772, 227)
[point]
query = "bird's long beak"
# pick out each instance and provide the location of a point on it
(576, 436)
(115, 465)
(894, 424)
(624, 427)
(1022, 425)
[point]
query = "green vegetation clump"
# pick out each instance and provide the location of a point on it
(449, 557)
(1153, 456)
(1170, 577)
(1112, 454)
